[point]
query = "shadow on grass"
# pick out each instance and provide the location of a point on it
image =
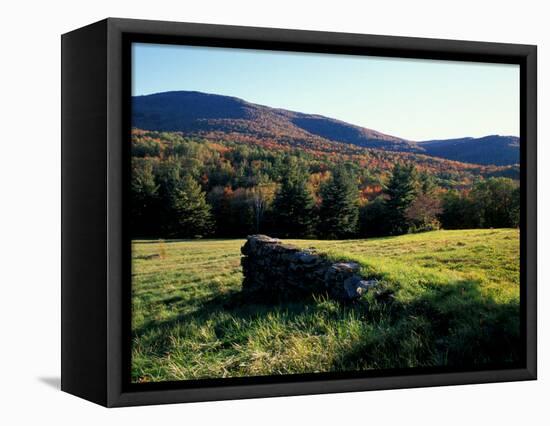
(237, 304)
(185, 240)
(450, 324)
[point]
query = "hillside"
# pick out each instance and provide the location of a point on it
(224, 117)
(201, 113)
(493, 149)
(235, 150)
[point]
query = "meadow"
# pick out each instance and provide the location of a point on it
(454, 302)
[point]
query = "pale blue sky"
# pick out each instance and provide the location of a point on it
(412, 99)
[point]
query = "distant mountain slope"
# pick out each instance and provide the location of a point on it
(197, 113)
(494, 149)
(336, 130)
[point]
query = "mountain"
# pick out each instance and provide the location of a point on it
(493, 149)
(196, 112)
(217, 116)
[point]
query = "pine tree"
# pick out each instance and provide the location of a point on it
(192, 212)
(293, 204)
(401, 191)
(168, 177)
(426, 183)
(144, 198)
(373, 218)
(339, 210)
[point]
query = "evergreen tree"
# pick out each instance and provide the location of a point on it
(339, 210)
(293, 204)
(193, 215)
(401, 191)
(220, 199)
(426, 184)
(144, 198)
(373, 218)
(168, 177)
(515, 208)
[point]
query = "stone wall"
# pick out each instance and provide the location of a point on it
(276, 270)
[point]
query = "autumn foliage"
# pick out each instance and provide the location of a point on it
(232, 184)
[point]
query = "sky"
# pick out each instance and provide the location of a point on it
(415, 99)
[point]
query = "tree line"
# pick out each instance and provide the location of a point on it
(189, 191)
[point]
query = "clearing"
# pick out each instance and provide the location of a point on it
(456, 303)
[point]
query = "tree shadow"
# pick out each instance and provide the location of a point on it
(238, 304)
(184, 240)
(452, 325)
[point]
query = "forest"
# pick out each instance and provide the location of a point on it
(189, 187)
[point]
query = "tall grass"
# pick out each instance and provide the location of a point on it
(454, 302)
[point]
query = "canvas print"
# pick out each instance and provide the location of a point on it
(304, 213)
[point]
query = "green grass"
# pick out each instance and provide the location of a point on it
(455, 303)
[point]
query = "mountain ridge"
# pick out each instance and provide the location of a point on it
(198, 113)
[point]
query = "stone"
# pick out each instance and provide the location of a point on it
(347, 268)
(273, 269)
(356, 287)
(305, 257)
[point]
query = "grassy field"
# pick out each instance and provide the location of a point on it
(456, 303)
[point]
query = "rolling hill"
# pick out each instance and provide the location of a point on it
(217, 116)
(493, 149)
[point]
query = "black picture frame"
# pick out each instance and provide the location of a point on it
(95, 241)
